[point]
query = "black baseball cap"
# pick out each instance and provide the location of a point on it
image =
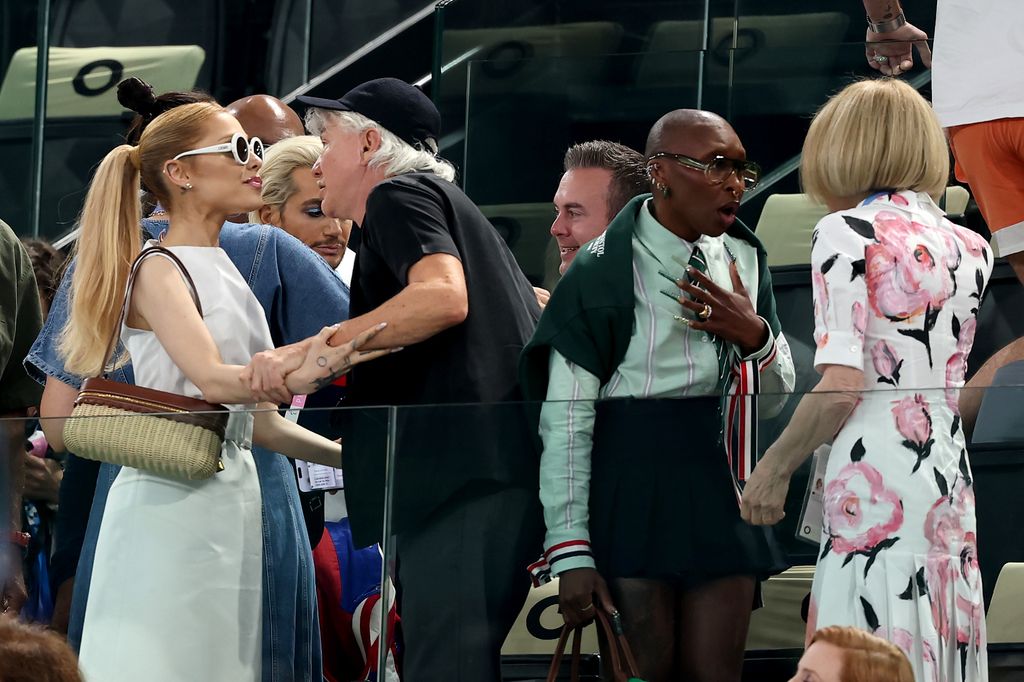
(399, 107)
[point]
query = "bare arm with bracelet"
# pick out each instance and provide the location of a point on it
(890, 41)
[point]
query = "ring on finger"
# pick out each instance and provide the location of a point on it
(705, 314)
(880, 58)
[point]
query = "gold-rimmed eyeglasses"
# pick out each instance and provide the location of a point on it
(718, 169)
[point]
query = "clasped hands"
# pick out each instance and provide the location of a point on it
(307, 366)
(893, 53)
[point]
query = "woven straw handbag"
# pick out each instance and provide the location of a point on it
(164, 433)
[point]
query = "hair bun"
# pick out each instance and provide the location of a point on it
(137, 95)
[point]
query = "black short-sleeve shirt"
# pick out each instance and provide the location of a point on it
(465, 439)
(415, 215)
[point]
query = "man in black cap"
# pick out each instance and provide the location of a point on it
(465, 513)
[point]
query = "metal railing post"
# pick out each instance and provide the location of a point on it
(39, 122)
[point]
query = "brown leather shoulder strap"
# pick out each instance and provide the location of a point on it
(136, 264)
(625, 667)
(556, 659)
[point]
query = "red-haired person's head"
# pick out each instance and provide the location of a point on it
(846, 654)
(29, 653)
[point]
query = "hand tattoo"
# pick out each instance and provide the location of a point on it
(333, 374)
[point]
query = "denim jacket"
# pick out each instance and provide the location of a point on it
(297, 289)
(300, 295)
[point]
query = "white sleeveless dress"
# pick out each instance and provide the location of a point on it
(176, 586)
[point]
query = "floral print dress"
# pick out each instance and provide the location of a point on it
(896, 295)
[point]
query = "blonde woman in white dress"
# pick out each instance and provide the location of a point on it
(176, 587)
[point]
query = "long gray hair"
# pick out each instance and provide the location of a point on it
(394, 155)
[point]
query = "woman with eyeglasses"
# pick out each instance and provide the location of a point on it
(671, 305)
(176, 587)
(291, 198)
(897, 288)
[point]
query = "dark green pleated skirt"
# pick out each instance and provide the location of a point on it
(662, 500)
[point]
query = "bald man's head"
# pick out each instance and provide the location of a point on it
(678, 125)
(266, 117)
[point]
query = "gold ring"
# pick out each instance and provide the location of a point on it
(706, 313)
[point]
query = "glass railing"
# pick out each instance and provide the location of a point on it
(547, 103)
(213, 46)
(525, 29)
(312, 41)
(92, 47)
(543, 76)
(408, 469)
(522, 75)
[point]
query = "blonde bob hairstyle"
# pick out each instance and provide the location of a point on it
(395, 156)
(281, 160)
(110, 237)
(874, 135)
(866, 658)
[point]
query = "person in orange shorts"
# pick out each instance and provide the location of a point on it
(977, 80)
(990, 158)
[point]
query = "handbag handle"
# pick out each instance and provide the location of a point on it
(626, 668)
(623, 665)
(136, 265)
(556, 660)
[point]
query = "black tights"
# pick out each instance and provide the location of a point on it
(696, 634)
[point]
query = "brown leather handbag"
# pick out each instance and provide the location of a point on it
(165, 433)
(622, 664)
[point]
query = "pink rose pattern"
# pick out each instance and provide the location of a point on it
(909, 270)
(902, 287)
(860, 319)
(905, 640)
(973, 242)
(952, 577)
(886, 362)
(956, 366)
(820, 287)
(914, 422)
(924, 283)
(861, 514)
(821, 293)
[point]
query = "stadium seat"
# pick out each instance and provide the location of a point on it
(779, 625)
(785, 227)
(787, 222)
(82, 80)
(526, 230)
(762, 60)
(528, 60)
(1003, 619)
(761, 54)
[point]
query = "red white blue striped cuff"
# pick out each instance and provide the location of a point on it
(542, 570)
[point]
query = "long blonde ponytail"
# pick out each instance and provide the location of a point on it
(111, 237)
(108, 243)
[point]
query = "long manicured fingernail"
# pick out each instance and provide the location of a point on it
(395, 350)
(672, 296)
(679, 318)
(381, 325)
(669, 277)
